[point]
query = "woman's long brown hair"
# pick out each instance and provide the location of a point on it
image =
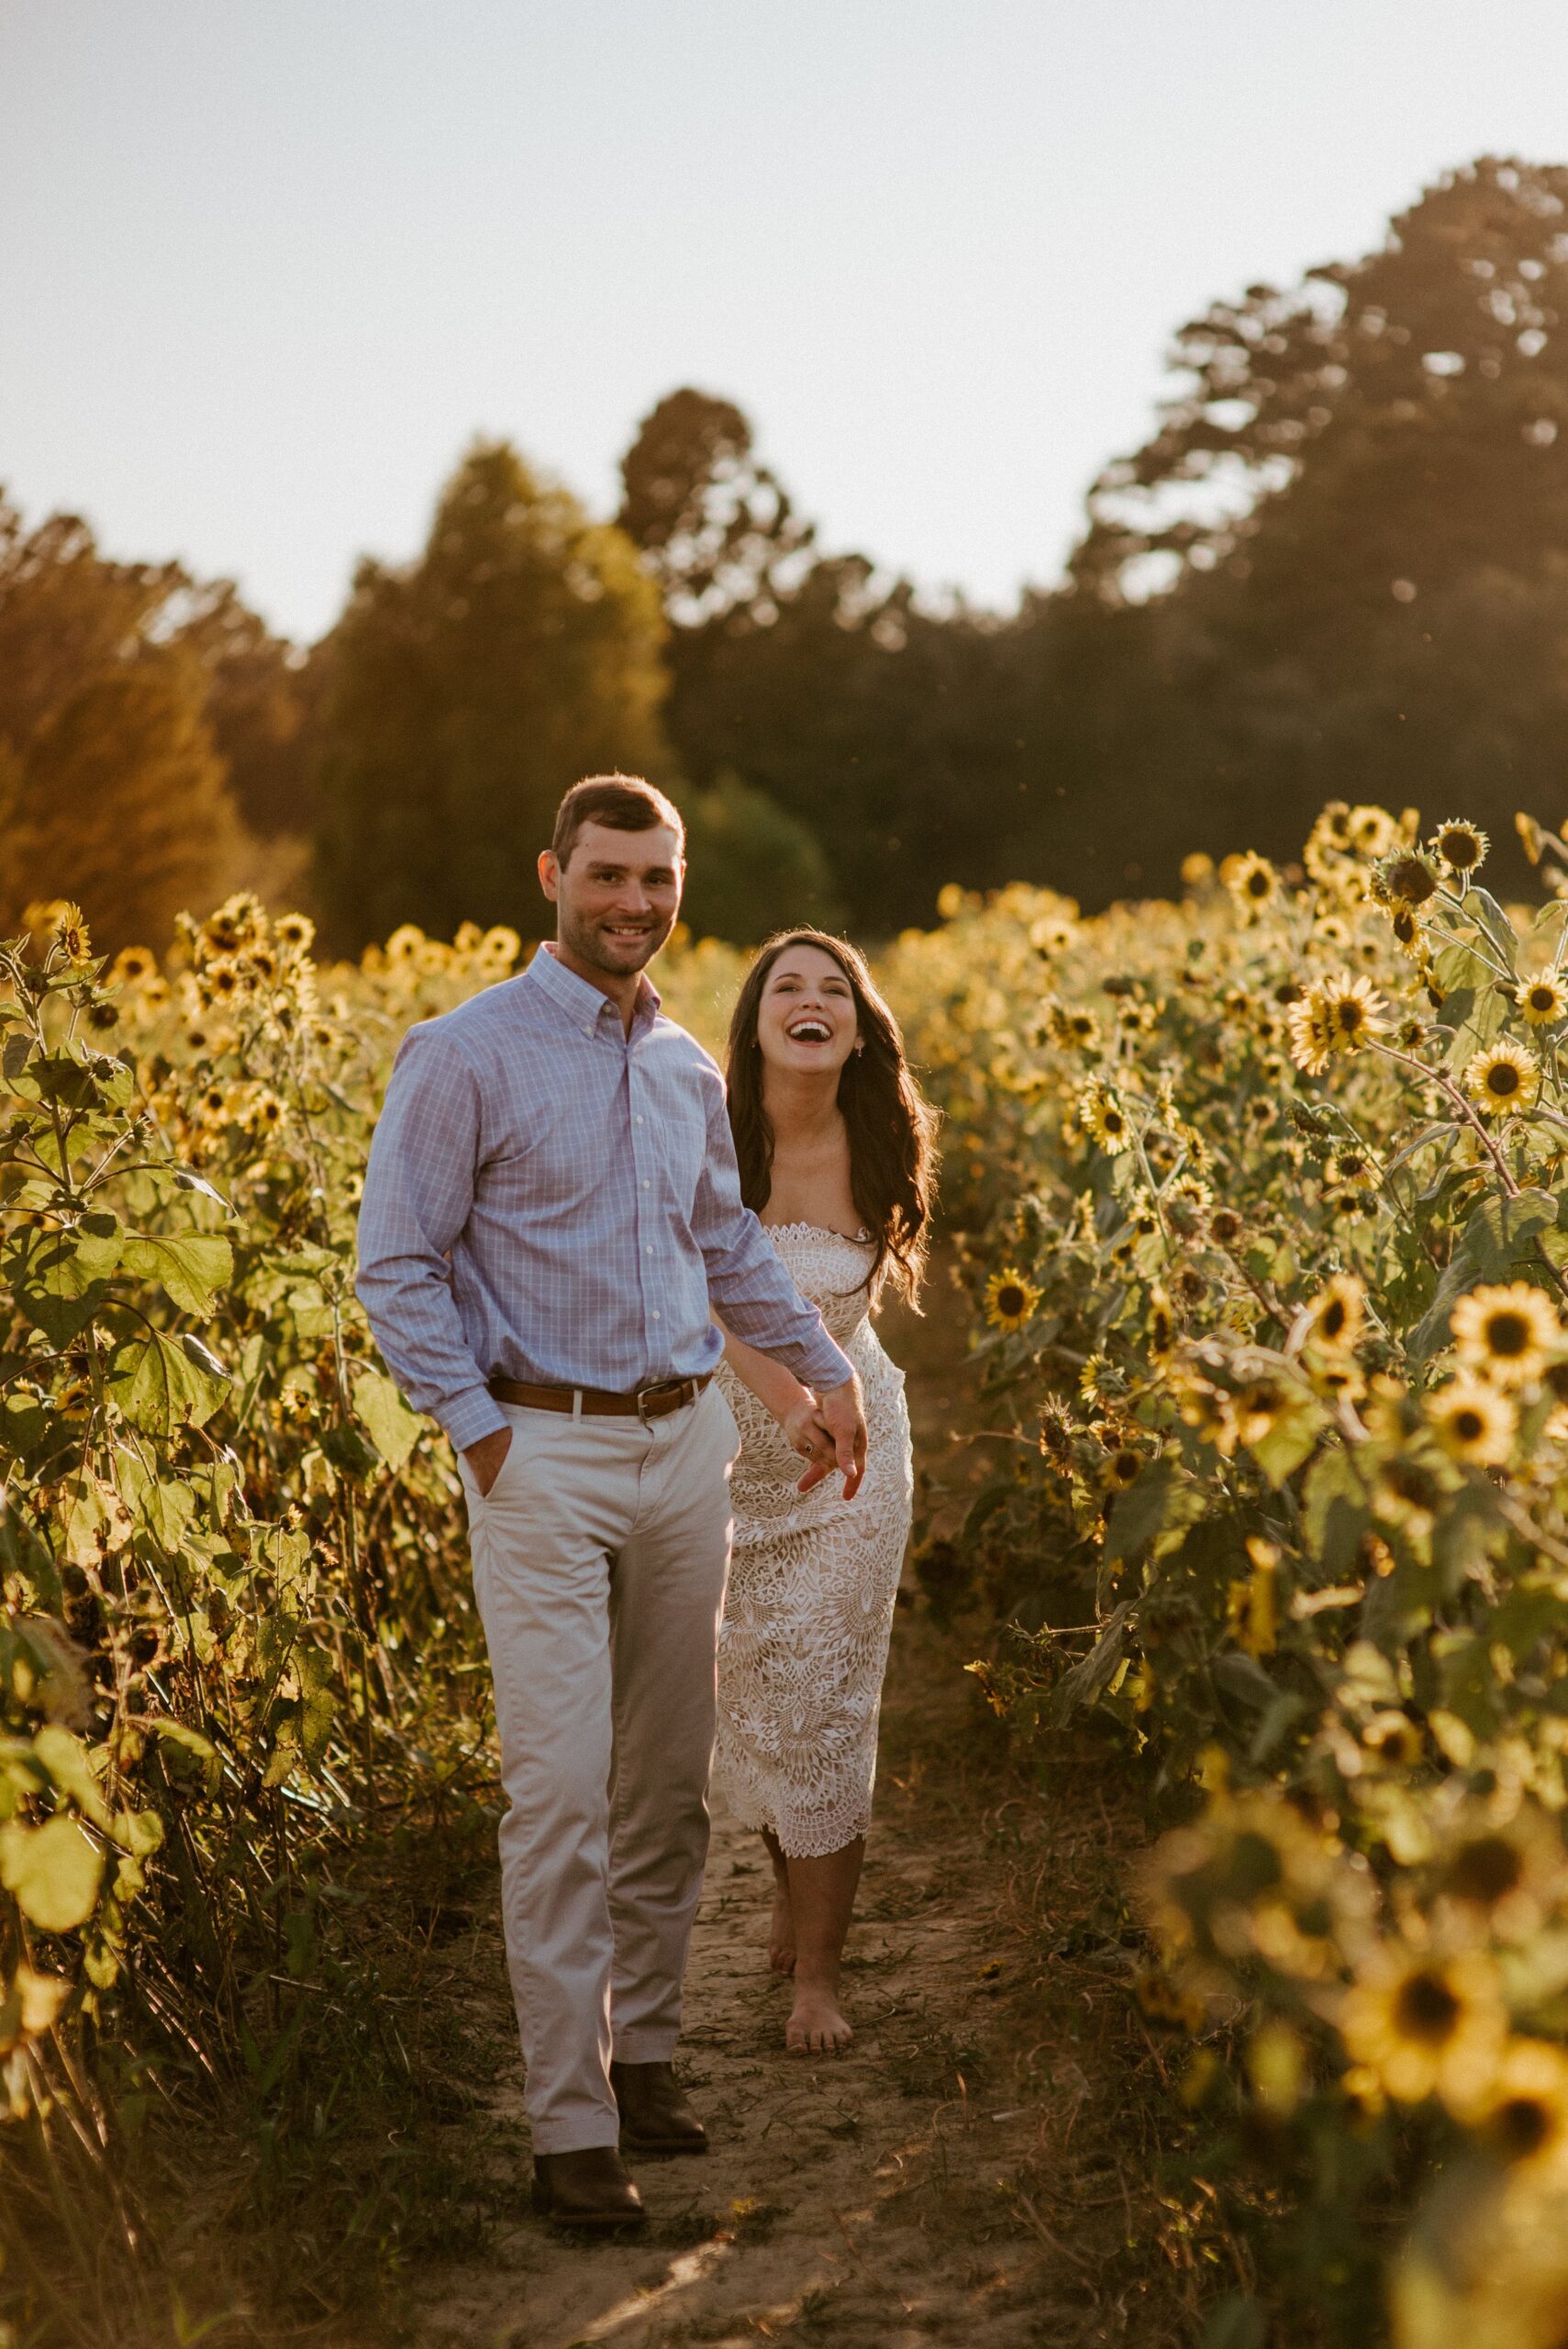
(890, 1126)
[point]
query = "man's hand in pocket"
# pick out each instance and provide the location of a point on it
(487, 1457)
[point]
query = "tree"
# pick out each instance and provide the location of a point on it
(886, 730)
(462, 695)
(1348, 531)
(751, 868)
(111, 786)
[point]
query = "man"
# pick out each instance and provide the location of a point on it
(552, 1202)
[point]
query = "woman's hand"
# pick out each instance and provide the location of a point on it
(804, 1434)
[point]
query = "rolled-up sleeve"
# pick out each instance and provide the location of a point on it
(419, 1192)
(746, 1280)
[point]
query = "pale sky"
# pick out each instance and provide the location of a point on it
(266, 266)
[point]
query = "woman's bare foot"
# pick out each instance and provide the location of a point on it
(815, 2026)
(781, 1929)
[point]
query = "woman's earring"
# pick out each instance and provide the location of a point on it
(859, 1046)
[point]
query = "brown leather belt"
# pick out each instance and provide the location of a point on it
(653, 1402)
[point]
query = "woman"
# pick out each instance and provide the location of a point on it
(835, 1149)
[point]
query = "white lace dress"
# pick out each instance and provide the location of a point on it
(804, 1642)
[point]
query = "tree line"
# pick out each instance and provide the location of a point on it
(1337, 567)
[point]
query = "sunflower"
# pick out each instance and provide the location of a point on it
(71, 933)
(1501, 1878)
(1225, 1227)
(1161, 1322)
(1507, 1333)
(1463, 847)
(1372, 831)
(404, 943)
(131, 965)
(1354, 1011)
(1332, 931)
(1407, 1493)
(1472, 1422)
(1406, 930)
(1080, 1027)
(295, 933)
(1522, 2112)
(1251, 881)
(1392, 1740)
(1105, 1118)
(500, 945)
(1408, 879)
(1010, 1301)
(1503, 1078)
(1338, 1314)
(1426, 2025)
(1542, 1000)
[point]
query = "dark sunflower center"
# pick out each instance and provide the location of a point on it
(1520, 2126)
(1258, 885)
(1468, 1424)
(1508, 1334)
(1336, 1313)
(1503, 1081)
(1542, 998)
(1010, 1299)
(1410, 1482)
(1113, 1122)
(1427, 2009)
(1460, 847)
(1484, 1870)
(1350, 1016)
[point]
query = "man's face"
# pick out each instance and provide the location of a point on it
(616, 897)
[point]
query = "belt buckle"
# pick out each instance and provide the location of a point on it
(659, 1386)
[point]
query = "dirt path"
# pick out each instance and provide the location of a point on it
(967, 2171)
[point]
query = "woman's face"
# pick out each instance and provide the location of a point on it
(805, 1020)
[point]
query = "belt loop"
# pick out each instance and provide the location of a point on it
(576, 1402)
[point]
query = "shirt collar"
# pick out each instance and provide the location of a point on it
(583, 1004)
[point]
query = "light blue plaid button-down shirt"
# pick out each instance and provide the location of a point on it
(551, 1199)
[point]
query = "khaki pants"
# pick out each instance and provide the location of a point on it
(599, 1563)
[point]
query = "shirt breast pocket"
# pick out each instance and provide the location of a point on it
(680, 1141)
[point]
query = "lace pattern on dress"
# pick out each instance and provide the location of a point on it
(804, 1644)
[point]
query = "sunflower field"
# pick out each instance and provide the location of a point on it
(1271, 1301)
(1262, 1199)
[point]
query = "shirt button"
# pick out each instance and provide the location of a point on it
(645, 1183)
(656, 1315)
(637, 1121)
(648, 1252)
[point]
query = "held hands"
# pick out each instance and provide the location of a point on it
(829, 1431)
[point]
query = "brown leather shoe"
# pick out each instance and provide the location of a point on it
(654, 2115)
(588, 2189)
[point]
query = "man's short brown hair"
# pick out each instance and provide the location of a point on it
(622, 802)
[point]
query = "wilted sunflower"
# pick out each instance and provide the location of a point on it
(1425, 2026)
(1543, 999)
(1010, 1300)
(1408, 878)
(1508, 1333)
(1407, 1493)
(1472, 1422)
(1503, 1078)
(1251, 881)
(1463, 847)
(1338, 1314)
(1225, 1227)
(1161, 1322)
